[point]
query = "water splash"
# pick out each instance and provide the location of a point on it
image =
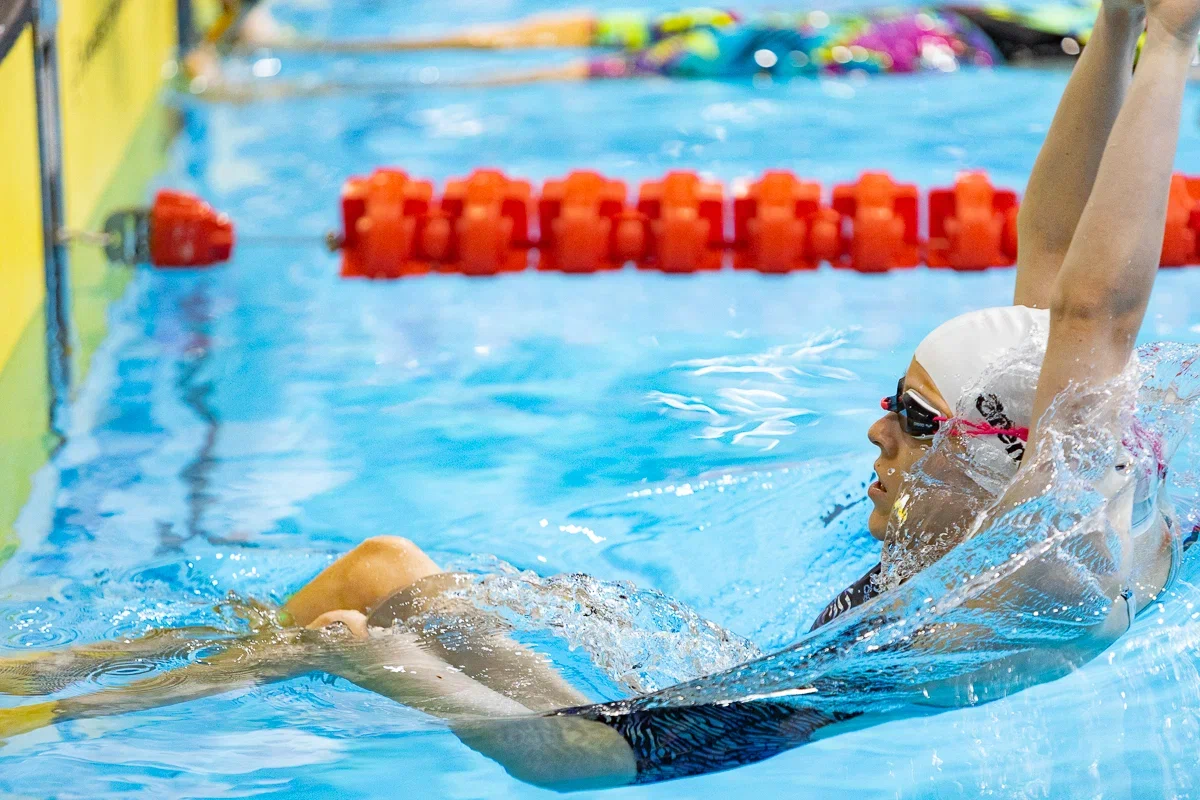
(1022, 596)
(642, 639)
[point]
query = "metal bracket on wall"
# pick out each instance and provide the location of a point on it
(14, 16)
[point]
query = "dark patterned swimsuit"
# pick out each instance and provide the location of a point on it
(680, 741)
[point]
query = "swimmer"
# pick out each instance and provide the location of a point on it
(717, 43)
(235, 21)
(1091, 235)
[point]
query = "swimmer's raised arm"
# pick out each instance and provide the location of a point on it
(1100, 296)
(1097, 306)
(1066, 168)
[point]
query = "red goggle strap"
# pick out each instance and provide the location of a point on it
(964, 427)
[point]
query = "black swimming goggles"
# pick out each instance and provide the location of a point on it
(918, 417)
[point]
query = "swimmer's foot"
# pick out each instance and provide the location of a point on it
(23, 719)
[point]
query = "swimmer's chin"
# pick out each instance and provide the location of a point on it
(878, 495)
(877, 524)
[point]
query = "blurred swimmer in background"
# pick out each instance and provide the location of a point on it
(724, 44)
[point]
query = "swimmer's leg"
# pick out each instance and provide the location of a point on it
(356, 584)
(494, 719)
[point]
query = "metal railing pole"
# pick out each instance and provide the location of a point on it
(58, 288)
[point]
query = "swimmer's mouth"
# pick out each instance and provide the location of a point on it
(877, 488)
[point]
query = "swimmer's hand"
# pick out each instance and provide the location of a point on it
(1180, 18)
(23, 719)
(341, 623)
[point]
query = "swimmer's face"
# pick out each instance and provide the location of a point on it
(897, 450)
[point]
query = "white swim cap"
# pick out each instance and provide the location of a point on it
(958, 353)
(986, 365)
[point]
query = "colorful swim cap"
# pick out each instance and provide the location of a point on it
(963, 356)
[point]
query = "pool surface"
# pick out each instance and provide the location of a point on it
(701, 436)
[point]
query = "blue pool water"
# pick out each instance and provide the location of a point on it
(701, 436)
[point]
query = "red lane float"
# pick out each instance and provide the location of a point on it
(684, 223)
(383, 217)
(481, 225)
(972, 226)
(185, 231)
(879, 224)
(394, 225)
(780, 225)
(586, 224)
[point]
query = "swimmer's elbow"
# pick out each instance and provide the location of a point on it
(1097, 307)
(1110, 286)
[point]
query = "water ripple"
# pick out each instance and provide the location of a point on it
(759, 410)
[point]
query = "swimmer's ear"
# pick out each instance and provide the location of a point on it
(23, 719)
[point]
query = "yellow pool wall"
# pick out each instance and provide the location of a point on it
(114, 60)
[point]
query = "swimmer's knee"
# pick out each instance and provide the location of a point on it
(382, 565)
(387, 547)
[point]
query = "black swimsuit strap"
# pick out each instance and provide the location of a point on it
(853, 596)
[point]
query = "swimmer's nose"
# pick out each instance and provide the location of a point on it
(877, 435)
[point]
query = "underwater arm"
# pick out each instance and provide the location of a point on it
(1066, 168)
(241, 664)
